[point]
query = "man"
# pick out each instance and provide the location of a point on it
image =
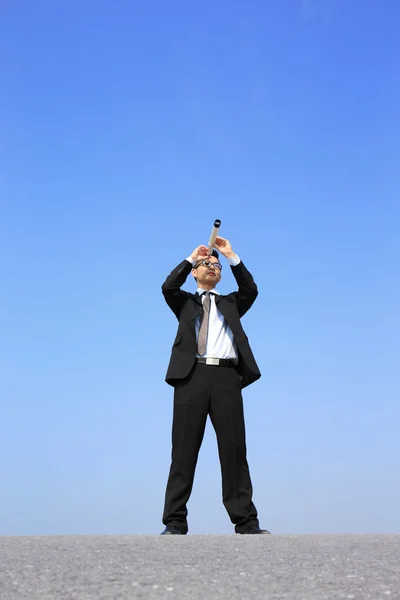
(211, 362)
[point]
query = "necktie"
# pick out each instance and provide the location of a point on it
(202, 340)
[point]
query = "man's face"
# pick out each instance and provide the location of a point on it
(207, 274)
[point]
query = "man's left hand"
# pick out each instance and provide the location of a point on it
(224, 247)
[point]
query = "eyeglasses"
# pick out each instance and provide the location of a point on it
(208, 264)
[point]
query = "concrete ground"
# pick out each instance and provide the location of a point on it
(279, 567)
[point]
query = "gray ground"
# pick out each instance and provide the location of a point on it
(200, 566)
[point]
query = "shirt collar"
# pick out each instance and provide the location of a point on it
(200, 291)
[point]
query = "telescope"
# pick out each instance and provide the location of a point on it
(213, 235)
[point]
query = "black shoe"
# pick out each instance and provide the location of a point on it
(256, 529)
(171, 530)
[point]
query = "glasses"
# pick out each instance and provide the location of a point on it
(208, 264)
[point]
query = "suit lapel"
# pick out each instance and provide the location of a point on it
(198, 299)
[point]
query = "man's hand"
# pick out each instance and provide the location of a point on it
(199, 253)
(224, 246)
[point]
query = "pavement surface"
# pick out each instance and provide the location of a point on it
(195, 567)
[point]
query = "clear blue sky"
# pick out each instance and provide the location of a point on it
(126, 129)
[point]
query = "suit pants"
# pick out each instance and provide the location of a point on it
(215, 391)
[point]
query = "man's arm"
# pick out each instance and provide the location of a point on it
(171, 288)
(247, 292)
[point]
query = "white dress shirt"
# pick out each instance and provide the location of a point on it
(220, 340)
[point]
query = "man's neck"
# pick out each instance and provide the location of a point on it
(207, 288)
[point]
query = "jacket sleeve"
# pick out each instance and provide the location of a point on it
(247, 292)
(171, 288)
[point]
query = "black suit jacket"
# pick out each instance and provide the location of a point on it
(187, 307)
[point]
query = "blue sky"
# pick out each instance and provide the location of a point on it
(126, 129)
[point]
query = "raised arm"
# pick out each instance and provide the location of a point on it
(171, 288)
(247, 292)
(247, 288)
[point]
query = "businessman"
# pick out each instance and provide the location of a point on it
(211, 361)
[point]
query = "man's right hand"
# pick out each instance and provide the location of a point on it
(199, 253)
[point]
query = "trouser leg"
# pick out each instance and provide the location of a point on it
(191, 403)
(226, 412)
